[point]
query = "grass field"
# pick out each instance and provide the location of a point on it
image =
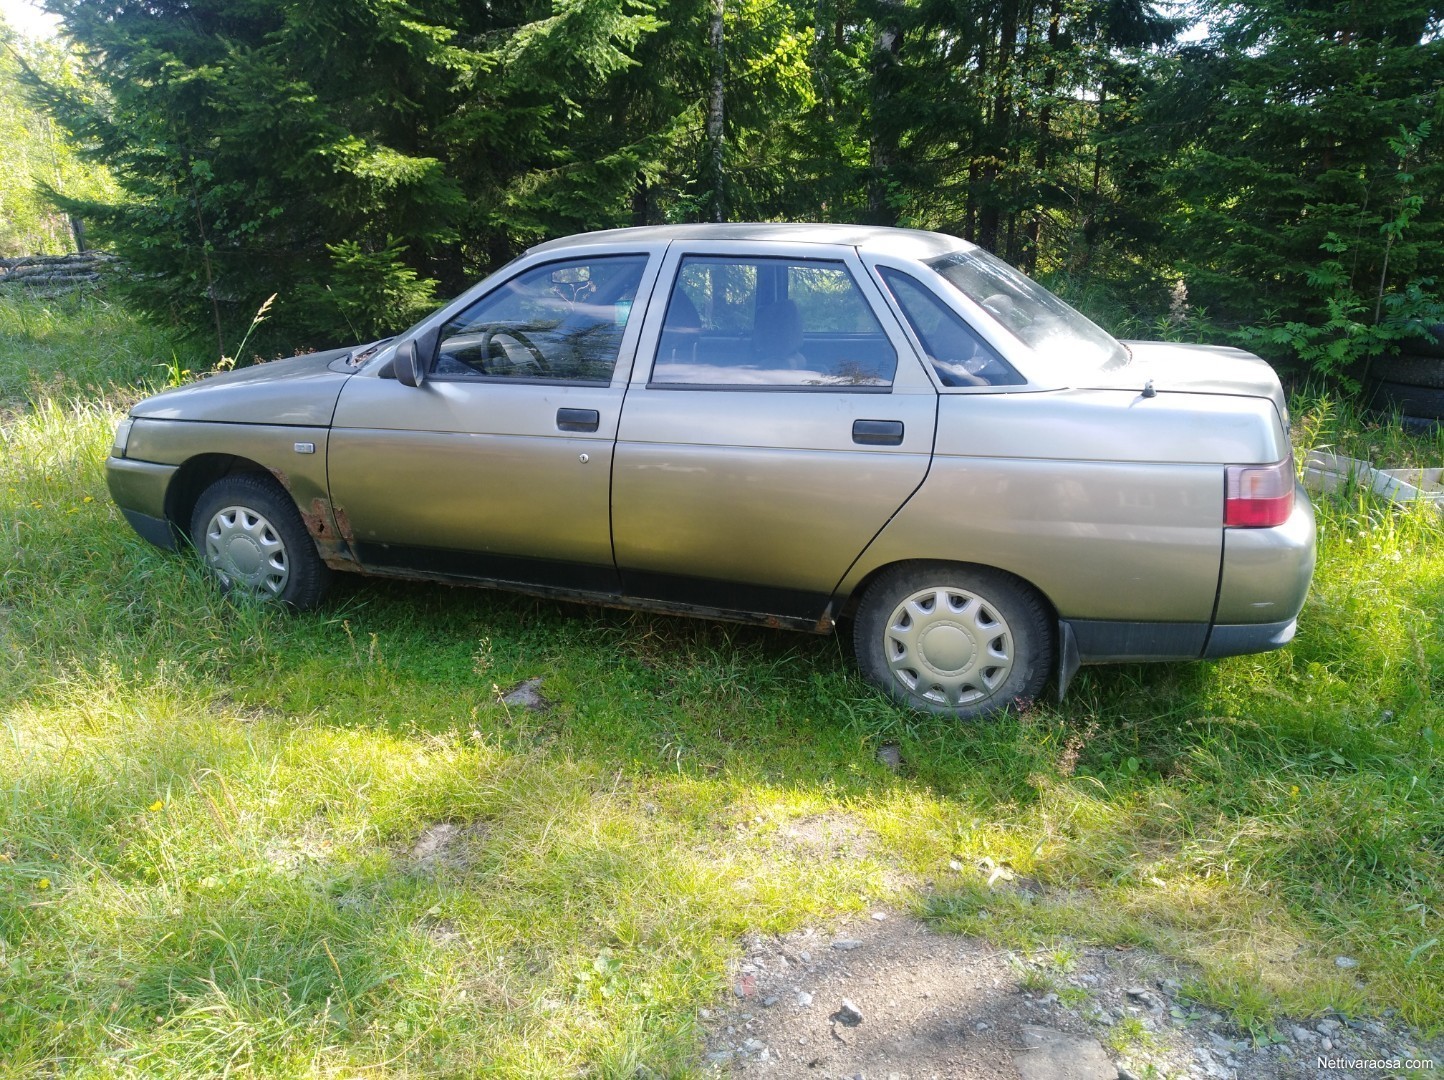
(233, 840)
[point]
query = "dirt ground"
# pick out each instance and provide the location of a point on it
(884, 997)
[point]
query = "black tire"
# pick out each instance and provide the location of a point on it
(249, 534)
(1426, 346)
(1422, 401)
(1411, 369)
(935, 658)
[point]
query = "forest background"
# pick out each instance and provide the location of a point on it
(1267, 170)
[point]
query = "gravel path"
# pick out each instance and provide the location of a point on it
(886, 998)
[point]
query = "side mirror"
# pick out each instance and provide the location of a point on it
(408, 366)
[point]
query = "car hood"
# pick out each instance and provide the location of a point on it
(1195, 369)
(300, 391)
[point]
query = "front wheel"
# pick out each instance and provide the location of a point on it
(959, 641)
(251, 537)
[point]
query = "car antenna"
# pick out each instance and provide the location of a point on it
(1148, 390)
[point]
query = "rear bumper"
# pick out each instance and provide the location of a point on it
(1263, 581)
(138, 488)
(1249, 638)
(1265, 575)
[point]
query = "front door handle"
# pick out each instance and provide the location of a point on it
(578, 419)
(877, 432)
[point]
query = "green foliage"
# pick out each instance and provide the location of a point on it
(1341, 347)
(286, 148)
(375, 292)
(37, 157)
(1361, 327)
(246, 138)
(281, 147)
(1300, 128)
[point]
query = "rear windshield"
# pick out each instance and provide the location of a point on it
(1030, 312)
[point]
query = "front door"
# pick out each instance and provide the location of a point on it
(498, 466)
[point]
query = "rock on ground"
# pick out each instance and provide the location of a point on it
(1056, 1055)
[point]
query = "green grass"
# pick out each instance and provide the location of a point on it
(208, 812)
(1329, 422)
(82, 343)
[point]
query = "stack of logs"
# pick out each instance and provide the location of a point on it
(51, 275)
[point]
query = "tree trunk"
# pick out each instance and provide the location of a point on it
(990, 219)
(1045, 123)
(882, 147)
(821, 40)
(644, 203)
(717, 199)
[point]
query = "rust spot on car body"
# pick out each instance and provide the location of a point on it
(282, 478)
(343, 524)
(825, 622)
(317, 520)
(332, 541)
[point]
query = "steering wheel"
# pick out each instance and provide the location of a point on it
(495, 352)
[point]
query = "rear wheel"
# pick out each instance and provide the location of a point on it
(251, 537)
(959, 641)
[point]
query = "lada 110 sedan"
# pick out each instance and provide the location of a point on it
(792, 425)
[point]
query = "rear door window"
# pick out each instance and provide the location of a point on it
(762, 323)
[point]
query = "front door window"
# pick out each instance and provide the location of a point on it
(561, 322)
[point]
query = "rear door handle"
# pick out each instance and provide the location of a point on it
(578, 419)
(877, 432)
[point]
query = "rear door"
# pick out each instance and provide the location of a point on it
(777, 418)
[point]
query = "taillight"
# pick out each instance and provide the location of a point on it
(1258, 496)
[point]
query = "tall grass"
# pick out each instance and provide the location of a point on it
(82, 342)
(210, 813)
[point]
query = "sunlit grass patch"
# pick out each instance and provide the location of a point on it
(325, 844)
(1328, 421)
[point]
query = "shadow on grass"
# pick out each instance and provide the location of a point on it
(689, 781)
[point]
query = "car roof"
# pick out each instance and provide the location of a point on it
(875, 239)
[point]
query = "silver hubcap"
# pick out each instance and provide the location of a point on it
(948, 646)
(246, 552)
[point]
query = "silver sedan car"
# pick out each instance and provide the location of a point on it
(793, 425)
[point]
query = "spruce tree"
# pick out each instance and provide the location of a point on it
(358, 158)
(1286, 126)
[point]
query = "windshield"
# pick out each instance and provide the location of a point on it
(1028, 311)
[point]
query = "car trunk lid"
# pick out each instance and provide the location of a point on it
(1195, 369)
